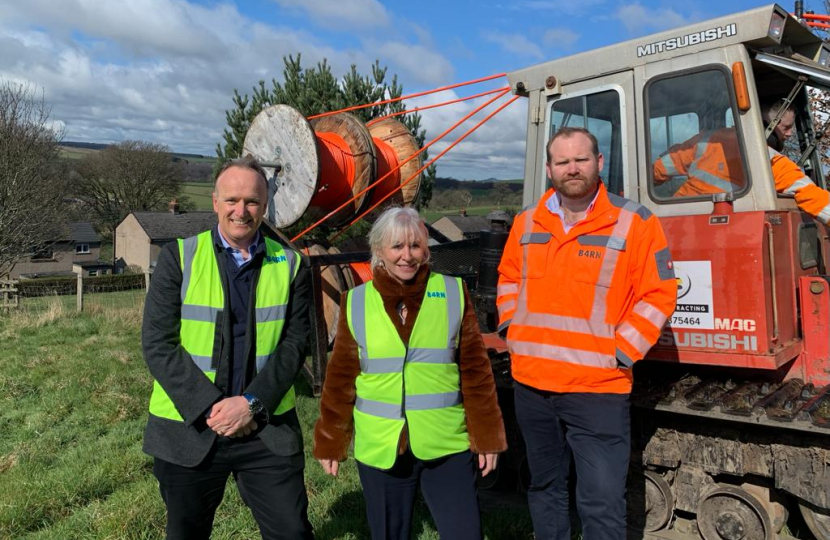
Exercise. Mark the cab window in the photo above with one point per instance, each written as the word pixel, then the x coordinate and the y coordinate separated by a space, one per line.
pixel 693 146
pixel 599 113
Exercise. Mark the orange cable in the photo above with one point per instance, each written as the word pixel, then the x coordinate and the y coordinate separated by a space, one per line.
pixel 816 17
pixel 817 24
pixel 416 109
pixel 404 162
pixel 419 171
pixel 441 89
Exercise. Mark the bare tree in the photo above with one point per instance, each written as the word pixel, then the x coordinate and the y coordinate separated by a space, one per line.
pixel 126 177
pixel 32 181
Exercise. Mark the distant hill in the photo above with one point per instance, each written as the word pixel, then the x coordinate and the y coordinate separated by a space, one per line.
pixel 77 150
pixel 474 185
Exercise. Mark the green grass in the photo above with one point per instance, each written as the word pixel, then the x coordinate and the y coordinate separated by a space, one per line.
pixel 199 193
pixel 73 398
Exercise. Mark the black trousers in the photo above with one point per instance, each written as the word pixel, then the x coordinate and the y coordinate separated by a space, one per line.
pixel 449 488
pixel 272 487
pixel 596 430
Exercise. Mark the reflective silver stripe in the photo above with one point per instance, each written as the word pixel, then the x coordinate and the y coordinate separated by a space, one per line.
pixel 711 179
pixel 506 306
pixel 202 362
pixel 798 184
pixel 359 320
pixel 609 262
pixel 260 361
pixel 507 288
pixel 562 354
pixel 188 254
pixel 423 402
pixel 271 313
pixel 634 337
pixel 535 238
pixel 379 408
pixel 577 325
pixel 504 325
pixel 650 313
pixel 824 215
pixel 289 257
pixel 668 163
pixel 612 242
pixel 526 248
pixel 191 312
pixel 382 365
pixel 624 359
pixel 453 310
pixel 431 356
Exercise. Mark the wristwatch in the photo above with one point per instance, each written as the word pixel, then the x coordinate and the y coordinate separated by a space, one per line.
pixel 254 405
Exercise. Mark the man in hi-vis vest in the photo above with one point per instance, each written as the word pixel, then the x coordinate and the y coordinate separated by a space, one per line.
pixel 710 162
pixel 224 336
pixel 586 284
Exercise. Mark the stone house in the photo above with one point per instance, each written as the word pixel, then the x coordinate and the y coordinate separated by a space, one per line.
pixel 461 226
pixel 141 235
pixel 77 250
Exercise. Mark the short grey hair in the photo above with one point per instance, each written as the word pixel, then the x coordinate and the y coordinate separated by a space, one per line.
pixel 248 162
pixel 394 225
pixel 770 110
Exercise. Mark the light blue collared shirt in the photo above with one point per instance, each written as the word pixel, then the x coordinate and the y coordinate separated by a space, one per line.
pixel 554 204
pixel 237 256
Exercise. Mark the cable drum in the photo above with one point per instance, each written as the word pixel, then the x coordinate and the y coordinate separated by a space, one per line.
pixel 328 167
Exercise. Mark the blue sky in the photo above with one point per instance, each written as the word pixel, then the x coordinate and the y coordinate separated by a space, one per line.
pixel 165 70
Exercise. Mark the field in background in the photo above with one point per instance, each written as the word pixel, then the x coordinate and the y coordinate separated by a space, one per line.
pixel 199 193
pixel 73 398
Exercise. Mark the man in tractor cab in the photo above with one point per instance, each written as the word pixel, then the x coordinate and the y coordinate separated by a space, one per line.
pixel 711 162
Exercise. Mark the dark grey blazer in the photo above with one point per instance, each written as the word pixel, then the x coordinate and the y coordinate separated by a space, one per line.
pixel 187 443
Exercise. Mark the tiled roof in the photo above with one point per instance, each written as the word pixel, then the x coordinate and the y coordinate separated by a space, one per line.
pixel 167 226
pixel 469 224
pixel 83 233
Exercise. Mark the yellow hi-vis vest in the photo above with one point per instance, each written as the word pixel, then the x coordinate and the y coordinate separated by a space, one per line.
pixel 419 385
pixel 203 301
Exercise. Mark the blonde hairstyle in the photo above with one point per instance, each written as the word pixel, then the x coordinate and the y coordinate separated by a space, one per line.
pixel 397 225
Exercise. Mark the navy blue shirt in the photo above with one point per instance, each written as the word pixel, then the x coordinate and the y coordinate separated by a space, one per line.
pixel 240 275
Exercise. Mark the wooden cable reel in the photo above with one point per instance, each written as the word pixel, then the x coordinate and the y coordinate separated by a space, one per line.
pixel 314 168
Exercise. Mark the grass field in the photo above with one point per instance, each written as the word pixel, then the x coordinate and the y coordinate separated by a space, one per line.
pixel 199 193
pixel 73 398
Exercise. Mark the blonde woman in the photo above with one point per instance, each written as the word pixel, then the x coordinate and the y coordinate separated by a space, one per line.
pixel 410 378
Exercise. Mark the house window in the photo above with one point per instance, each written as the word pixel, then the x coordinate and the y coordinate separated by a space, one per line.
pixel 103 271
pixel 93 273
pixel 81 248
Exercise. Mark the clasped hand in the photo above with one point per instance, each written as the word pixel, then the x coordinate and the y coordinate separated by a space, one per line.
pixel 231 417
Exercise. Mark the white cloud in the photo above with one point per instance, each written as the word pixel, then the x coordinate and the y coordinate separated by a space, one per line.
pixel 563 38
pixel 337 13
pixel 494 150
pixel 639 19
pixel 164 70
pixel 414 63
pixel 516 44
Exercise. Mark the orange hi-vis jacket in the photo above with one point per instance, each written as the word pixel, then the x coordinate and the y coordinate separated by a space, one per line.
pixel 791 180
pixel 580 308
pixel 711 161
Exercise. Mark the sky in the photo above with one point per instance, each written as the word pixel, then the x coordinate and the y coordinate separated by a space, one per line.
pixel 165 70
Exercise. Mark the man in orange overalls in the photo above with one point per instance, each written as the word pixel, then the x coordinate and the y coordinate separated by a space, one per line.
pixel 711 162
pixel 586 284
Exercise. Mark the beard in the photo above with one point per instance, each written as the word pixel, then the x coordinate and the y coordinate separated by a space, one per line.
pixel 576 187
